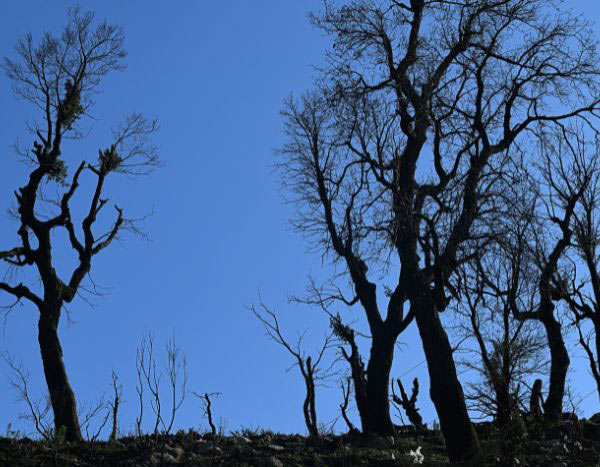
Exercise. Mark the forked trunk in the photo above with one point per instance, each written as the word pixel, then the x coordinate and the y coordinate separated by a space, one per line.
pixel 377 418
pixel 559 365
pixel 446 391
pixel 61 395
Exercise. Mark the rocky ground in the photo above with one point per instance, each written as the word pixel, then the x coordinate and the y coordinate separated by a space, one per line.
pixel 570 443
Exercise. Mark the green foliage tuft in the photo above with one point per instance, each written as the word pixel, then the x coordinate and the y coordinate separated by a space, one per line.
pixel 109 159
pixel 58 172
pixel 70 107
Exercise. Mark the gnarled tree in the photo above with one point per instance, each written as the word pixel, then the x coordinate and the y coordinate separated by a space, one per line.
pixel 397 153
pixel 60 76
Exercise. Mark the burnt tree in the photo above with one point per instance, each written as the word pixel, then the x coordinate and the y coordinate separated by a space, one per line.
pixel 509 350
pixel 60 77
pixel 346 388
pixel 536 399
pixel 566 173
pixel 309 368
pixel 394 152
pixel 409 404
pixel 526 270
pixel 583 298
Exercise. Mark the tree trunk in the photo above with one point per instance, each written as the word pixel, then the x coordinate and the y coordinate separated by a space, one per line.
pixel 309 408
pixel 61 394
pixel 377 418
pixel 559 365
pixel 446 391
pixel 535 401
pixel 504 403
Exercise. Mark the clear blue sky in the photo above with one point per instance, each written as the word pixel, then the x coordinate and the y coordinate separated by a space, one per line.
pixel 215 75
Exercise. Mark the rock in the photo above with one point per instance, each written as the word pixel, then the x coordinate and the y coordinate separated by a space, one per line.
pixel 276 447
pixel 417 456
pixel 176 452
pixel 204 446
pixel 242 440
pixel 164 459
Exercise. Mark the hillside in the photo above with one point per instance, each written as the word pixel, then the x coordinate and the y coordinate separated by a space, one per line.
pixel 571 443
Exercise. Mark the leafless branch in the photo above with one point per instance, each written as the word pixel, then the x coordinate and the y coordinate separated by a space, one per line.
pixel 38 411
pixel 308 367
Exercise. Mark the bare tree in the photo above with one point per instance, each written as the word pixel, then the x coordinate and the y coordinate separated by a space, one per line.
pixel 309 368
pixel 37 409
pixel 510 352
pixel 566 173
pixel 60 77
pixel 205 400
pixel 346 388
pixel 347 335
pixel 114 405
pixel 409 404
pixel 149 376
pixel 411 87
pixel 499 280
pixel 523 276
pixel 91 411
pixel 583 298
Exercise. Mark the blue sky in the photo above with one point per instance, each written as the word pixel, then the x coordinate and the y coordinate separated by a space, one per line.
pixel 215 75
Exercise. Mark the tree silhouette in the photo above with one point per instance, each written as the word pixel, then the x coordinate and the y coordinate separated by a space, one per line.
pixel 60 77
pixel 397 158
pixel 309 367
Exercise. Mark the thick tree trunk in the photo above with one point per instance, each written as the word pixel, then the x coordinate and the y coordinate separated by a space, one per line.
pixel 559 365
pixel 377 418
pixel 446 391
pixel 503 400
pixel 61 395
